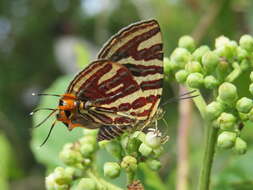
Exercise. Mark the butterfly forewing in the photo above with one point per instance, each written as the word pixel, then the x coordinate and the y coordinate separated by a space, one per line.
pixel 139 48
pixel 109 87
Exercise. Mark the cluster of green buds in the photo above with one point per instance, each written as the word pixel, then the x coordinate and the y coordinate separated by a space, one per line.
pixel 129 150
pixel 78 158
pixel 216 70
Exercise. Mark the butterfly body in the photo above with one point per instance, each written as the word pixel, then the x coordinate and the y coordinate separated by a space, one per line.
pixel 122 89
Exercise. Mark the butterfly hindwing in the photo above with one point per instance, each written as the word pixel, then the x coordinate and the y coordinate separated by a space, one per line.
pixel 139 48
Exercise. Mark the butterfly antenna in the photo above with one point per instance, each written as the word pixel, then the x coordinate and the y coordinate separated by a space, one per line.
pixel 46 118
pixel 49 133
pixel 38 109
pixel 187 93
pixel 43 94
pixel 181 97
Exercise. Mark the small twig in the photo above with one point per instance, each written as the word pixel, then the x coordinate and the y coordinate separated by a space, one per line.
pixel 185 112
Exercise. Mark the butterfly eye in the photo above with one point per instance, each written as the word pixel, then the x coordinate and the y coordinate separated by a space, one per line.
pixel 67 113
pixel 61 103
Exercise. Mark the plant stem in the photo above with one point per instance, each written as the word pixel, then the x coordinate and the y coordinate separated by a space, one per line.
pixel 210 142
pixel 130 177
pixel 199 102
pixel 235 73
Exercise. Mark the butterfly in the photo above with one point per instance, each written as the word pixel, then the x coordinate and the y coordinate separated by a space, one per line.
pixel 119 91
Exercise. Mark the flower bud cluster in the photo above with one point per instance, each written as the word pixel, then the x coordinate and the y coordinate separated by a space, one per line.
pixel 133 149
pixel 216 69
pixel 205 68
pixel 78 157
pixel 228 112
pixel 60 178
pixel 129 150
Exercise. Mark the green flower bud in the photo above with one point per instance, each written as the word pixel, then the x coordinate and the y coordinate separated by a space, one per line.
pixel 111 169
pixel 251 76
pixel 228 93
pixel 226 121
pixel 223 67
pixel 129 163
pixel 70 156
pixel 195 80
pixel 187 42
pixel 52 185
pixel 90 132
pixel 226 139
pixel 114 148
pixel 154 164
pixel 153 139
pixel 240 146
pixel 244 105
pixel 244 116
pixel 229 50
pixel 199 52
pixel 210 82
pixel 241 53
pixel 193 67
pixel 167 65
pixel 213 110
pixel 221 42
pixel 246 42
pixel 210 61
pixel 103 144
pixel 215 124
pixel 245 64
pixel 87 150
pixel 86 162
pixel 179 58
pixel 139 135
pixel 181 76
pixel 61 176
pixel 250 115
pixel 87 184
pixel 88 140
pixel 59 179
pixel 50 182
pixel 158 151
pixel 145 150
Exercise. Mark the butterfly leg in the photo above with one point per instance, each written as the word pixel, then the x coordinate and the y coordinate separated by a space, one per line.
pixel 109 132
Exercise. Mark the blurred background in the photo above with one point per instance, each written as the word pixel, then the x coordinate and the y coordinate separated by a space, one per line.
pixel 39 45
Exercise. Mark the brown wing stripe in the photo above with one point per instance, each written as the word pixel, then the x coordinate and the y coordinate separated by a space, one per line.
pixel 131 48
pixel 155 84
pixel 110 132
pixel 102 117
pixel 142 70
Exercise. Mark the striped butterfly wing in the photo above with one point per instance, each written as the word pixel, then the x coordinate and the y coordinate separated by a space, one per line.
pixel 139 48
pixel 106 85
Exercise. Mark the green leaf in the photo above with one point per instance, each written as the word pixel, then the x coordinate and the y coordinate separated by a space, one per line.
pixel 150 178
pixel 82 54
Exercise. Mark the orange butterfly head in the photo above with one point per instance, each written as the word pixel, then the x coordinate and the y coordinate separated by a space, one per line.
pixel 68 105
